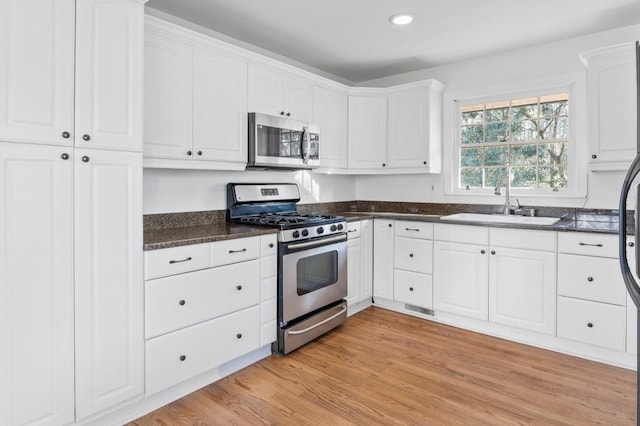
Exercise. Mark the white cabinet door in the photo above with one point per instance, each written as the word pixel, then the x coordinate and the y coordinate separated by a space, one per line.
pixel 37 71
pixel 460 279
pixel 522 289
pixel 167 97
pixel 383 249
pixel 354 271
pixel 109 290
pixel 330 113
pixel 408 129
pixel 36 284
pixel 298 98
pixel 109 60
pixel 367 132
pixel 366 259
pixel 219 107
pixel 266 91
pixel 611 81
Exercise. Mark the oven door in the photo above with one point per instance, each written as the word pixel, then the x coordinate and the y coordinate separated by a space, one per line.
pixel 313 274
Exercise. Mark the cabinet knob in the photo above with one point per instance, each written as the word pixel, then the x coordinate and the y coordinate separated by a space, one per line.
pixel 631 244
pixel 239 287
pixel 281 112
pixel 424 162
pixel 493 252
pixel 189 153
pixel 183 357
pixel 594 156
pixel 86 137
pixel 199 152
pixel 410 254
pixel 64 156
pixel 270 245
pixel 239 336
pixel 384 164
pixel 483 251
pixel 182 302
pixel 590 279
pixel 288 114
pixel 410 288
pixel 590 324
pixel 85 159
pixel 66 135
pixel 390 225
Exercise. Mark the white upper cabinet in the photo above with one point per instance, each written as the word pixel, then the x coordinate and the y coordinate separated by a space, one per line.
pixel 367 132
pixel 37 75
pixel 611 94
pixel 275 92
pixel 330 113
pixel 109 60
pixel 36 71
pixel 195 102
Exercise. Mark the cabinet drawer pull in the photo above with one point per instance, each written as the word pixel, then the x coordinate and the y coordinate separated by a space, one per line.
pixel 412 229
pixel 239 287
pixel 590 324
pixel 182 302
pixel 171 262
pixel 410 288
pixel 237 251
pixel 590 245
pixel 239 336
pixel 183 357
pixel 590 279
pixel 352 230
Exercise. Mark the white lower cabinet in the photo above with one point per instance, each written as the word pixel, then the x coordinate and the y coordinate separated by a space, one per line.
pixel 359 267
pixel 413 263
pixel 199 319
pixel 383 250
pixel 594 323
pixel 413 288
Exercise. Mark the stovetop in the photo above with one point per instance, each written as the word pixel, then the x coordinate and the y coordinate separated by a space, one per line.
pixel 289 220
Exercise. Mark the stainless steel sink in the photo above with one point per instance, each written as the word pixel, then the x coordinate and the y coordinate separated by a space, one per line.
pixel 501 218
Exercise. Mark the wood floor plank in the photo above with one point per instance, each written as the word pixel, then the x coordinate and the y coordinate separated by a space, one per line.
pixel 382 367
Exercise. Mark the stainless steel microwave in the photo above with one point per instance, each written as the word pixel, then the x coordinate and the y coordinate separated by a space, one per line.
pixel 279 142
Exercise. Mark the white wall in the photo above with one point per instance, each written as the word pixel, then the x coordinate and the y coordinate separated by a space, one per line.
pixel 535 62
pixel 171 191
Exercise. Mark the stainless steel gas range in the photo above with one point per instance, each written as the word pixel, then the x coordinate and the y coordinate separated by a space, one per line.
pixel 312 259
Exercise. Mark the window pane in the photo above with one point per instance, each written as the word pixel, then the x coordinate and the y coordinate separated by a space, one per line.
pixel 497 132
pixel 498 114
pixel 554 109
pixel 471 177
pixel 524 155
pixel 552 153
pixel 523 177
pixel 554 128
pixel 472 117
pixel 525 130
pixel 472 134
pixel 496 156
pixel 492 174
pixel 552 177
pixel 471 157
pixel 524 108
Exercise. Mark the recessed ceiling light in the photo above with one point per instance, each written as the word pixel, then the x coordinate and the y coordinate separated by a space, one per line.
pixel 401 18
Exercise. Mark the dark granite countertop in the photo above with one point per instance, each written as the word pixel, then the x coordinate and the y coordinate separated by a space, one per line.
pixel 185 235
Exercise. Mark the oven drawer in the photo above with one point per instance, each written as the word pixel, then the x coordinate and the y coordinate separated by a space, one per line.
pixel 413 288
pixel 592 278
pixel 183 354
pixel 413 255
pixel 410 229
pixel 592 322
pixel 175 260
pixel 178 301
pixel 233 251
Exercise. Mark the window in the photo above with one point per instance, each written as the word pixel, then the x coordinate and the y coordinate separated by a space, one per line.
pixel 527 137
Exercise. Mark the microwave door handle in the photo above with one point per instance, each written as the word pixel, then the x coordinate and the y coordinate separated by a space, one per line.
pixel 305 146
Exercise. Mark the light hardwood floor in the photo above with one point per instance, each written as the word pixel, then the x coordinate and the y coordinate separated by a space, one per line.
pixel 383 368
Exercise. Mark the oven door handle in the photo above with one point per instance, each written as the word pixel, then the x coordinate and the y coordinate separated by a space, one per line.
pixel 314 326
pixel 317 243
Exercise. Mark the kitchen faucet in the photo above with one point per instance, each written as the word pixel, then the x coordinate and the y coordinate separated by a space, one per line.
pixel 504 180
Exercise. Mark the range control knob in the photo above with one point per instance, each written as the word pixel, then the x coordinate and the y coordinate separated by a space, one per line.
pixel 333 228
pixel 295 234
pixel 305 232
pixel 340 227
pixel 320 230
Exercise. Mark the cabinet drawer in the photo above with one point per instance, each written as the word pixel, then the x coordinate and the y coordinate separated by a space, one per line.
pixel 268 245
pixel 413 288
pixel 588 244
pixel 182 300
pixel 410 229
pixel 353 230
pixel 592 322
pixel 178 356
pixel 463 234
pixel 233 251
pixel 592 278
pixel 523 239
pixel 413 255
pixel 175 260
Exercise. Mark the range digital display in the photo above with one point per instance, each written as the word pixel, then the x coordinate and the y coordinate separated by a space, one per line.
pixel 269 192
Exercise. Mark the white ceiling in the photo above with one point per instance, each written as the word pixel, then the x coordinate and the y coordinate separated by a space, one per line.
pixel 352 39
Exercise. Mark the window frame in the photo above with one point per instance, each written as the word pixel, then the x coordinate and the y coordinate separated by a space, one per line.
pixel 573 84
